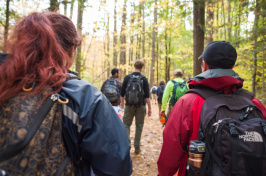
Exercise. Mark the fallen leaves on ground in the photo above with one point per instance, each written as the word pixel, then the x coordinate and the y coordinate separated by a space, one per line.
pixel 145 163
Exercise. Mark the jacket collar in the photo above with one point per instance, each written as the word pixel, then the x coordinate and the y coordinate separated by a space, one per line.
pixel 225 80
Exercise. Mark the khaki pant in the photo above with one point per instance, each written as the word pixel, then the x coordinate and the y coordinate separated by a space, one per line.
pixel 139 113
pixel 160 107
pixel 170 107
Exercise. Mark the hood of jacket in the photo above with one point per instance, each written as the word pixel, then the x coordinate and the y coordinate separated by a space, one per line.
pixel 226 80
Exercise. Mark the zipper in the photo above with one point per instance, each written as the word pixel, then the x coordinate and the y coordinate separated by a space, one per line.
pixel 245 116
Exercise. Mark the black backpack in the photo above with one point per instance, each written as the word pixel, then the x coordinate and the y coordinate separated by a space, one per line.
pixel 160 92
pixel 134 90
pixel 234 132
pixel 110 90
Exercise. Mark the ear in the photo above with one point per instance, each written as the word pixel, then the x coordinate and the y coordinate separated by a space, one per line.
pixel 205 66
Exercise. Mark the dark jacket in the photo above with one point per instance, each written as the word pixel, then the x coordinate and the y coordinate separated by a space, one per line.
pixel 159 90
pixel 94 135
pixel 183 123
pixel 145 86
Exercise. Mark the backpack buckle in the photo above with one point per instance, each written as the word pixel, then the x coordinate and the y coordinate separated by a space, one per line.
pixel 233 130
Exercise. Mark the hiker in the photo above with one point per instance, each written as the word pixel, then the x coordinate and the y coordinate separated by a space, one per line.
pixel 79 124
pixel 176 87
pixel 153 93
pixel 111 88
pixel 135 90
pixel 223 88
pixel 159 94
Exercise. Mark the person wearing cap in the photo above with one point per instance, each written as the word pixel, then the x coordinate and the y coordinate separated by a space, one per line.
pixel 218 60
pixel 167 94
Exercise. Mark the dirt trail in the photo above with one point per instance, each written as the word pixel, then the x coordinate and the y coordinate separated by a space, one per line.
pixel 151 142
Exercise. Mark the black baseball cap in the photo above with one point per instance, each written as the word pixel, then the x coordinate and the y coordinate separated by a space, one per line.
pixel 219 54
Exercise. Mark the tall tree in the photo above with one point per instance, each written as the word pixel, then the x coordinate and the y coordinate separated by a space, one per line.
pixel 131 48
pixel 79 27
pixel 255 49
pixel 54 6
pixel 143 29
pixel 209 21
pixel 6 24
pixel 154 36
pixel 229 21
pixel 115 38
pixel 65 7
pixel 198 34
pixel 71 9
pixel 123 40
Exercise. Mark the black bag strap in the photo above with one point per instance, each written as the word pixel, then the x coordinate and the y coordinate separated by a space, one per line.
pixel 204 92
pixel 14 149
pixel 234 151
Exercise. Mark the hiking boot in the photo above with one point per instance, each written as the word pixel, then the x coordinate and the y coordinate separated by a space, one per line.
pixel 137 150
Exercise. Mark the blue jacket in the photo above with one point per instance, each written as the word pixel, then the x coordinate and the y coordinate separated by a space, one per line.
pixel 94 135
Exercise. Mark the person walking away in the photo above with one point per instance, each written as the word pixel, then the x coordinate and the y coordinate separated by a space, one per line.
pixel 159 94
pixel 217 112
pixel 53 123
pixel 173 91
pixel 111 88
pixel 135 91
pixel 153 93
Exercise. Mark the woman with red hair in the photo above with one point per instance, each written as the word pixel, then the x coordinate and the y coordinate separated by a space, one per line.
pixel 82 126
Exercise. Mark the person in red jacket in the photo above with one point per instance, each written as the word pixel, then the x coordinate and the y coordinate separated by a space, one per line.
pixel 218 60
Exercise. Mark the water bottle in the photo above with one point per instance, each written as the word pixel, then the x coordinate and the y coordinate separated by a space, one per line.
pixel 196 153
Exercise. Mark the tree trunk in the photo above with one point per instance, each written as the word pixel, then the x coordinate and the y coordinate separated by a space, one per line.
pixel 123 41
pixel 54 6
pixel 115 39
pixel 157 59
pixel 65 7
pixel 71 9
pixel 209 22
pixel 79 28
pixel 6 25
pixel 224 25
pixel 154 36
pixel 198 34
pixel 229 21
pixel 143 29
pixel 166 58
pixel 132 34
pixel 255 52
pixel 108 45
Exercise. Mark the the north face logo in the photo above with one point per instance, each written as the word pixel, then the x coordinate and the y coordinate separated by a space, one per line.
pixel 251 136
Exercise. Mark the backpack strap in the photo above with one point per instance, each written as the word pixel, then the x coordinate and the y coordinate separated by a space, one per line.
pixel 14 149
pixel 203 91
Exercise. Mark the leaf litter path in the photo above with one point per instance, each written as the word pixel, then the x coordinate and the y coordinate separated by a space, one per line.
pixel 145 164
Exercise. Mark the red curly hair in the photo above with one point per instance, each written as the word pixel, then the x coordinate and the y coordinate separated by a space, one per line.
pixel 41 49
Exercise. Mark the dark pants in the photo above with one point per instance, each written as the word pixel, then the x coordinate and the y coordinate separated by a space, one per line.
pixel 139 113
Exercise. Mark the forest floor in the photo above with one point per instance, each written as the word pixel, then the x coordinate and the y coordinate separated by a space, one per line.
pixel 145 163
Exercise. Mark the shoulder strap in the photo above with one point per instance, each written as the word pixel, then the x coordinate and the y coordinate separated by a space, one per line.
pixel 204 92
pixel 173 81
pixel 16 148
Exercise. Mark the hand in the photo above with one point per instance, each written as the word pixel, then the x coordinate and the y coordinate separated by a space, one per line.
pixel 149 112
pixel 122 105
pixel 162 113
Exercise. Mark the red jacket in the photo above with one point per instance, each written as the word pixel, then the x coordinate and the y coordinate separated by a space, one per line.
pixel 183 124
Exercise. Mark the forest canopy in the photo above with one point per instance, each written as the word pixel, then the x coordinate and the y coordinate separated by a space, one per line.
pixel 166 34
